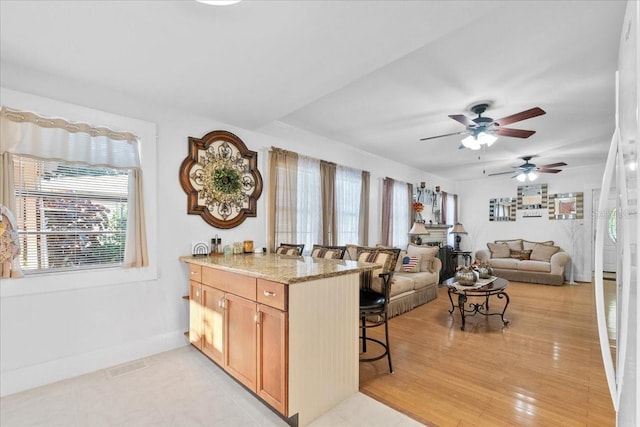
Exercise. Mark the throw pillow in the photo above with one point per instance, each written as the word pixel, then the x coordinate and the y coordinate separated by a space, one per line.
pixel 514 245
pixel 515 254
pixel 525 255
pixel 352 252
pixel 528 246
pixel 403 253
pixel 386 258
pixel 283 250
pixel 499 250
pixel 426 253
pixel 327 253
pixel 542 252
pixel 411 264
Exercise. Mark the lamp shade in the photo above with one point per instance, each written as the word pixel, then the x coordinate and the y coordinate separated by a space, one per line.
pixel 458 229
pixel 418 228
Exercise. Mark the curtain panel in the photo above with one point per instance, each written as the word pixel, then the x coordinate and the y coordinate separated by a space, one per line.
pixel 328 194
pixel 387 206
pixel 283 197
pixel 363 221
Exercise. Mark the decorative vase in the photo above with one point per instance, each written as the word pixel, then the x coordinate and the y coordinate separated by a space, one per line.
pixel 465 277
pixel 484 272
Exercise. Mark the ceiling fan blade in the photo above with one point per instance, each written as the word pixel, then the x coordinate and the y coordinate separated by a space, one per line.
pixel 523 115
pixel 440 136
pixel 499 173
pixel 516 133
pixel 553 165
pixel 462 119
pixel 543 170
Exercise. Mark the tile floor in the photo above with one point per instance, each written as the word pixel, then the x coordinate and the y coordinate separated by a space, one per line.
pixel 177 388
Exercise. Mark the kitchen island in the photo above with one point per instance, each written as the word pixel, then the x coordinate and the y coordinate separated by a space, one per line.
pixel 285 327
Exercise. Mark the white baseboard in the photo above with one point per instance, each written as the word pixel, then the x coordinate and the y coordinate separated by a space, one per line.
pixel 29 377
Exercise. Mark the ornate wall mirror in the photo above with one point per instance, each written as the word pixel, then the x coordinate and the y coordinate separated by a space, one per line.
pixel 566 206
pixel 533 196
pixel 502 209
pixel 221 179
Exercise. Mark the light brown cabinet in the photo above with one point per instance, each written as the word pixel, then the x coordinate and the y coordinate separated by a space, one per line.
pixel 241 323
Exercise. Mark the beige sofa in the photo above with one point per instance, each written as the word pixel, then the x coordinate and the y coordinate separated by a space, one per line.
pixel 409 289
pixel 525 261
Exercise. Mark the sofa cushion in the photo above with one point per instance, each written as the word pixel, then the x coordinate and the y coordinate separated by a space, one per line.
pixel 327 253
pixel 399 285
pixel 514 245
pixel 424 279
pixel 351 253
pixel 499 250
pixel 427 254
pixel 540 266
pixel 525 254
pixel 527 245
pixel 504 263
pixel 542 252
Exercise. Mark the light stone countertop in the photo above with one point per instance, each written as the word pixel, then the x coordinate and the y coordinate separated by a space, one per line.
pixel 280 268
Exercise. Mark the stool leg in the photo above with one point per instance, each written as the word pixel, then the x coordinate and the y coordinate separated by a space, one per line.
pixel 364 334
pixel 386 333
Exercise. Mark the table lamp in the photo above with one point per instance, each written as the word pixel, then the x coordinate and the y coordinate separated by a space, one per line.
pixel 458 229
pixel 417 229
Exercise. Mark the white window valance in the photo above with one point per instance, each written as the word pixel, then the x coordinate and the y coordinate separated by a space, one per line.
pixel 27 133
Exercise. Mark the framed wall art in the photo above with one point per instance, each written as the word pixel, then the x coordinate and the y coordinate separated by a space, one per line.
pixel 566 206
pixel 221 179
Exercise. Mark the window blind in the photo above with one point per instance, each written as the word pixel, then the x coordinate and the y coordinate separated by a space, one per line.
pixel 69 216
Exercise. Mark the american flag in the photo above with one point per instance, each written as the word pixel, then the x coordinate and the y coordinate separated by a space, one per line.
pixel 409 263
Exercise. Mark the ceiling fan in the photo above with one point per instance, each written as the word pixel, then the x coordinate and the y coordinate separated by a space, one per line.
pixel 530 171
pixel 483 130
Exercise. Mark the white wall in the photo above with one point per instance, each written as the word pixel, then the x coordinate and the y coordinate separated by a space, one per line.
pixel 474 215
pixel 87 325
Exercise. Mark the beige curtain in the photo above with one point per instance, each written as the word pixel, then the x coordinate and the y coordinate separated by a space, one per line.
pixel 136 253
pixel 8 267
pixel 387 205
pixel 455 209
pixel 363 231
pixel 328 191
pixel 283 177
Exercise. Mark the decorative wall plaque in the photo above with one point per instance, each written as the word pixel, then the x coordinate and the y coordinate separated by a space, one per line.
pixel 221 179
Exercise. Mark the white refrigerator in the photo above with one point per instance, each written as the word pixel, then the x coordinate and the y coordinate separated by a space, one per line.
pixel 621 176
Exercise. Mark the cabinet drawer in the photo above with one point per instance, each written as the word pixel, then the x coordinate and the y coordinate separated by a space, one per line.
pixel 234 283
pixel 273 294
pixel 195 273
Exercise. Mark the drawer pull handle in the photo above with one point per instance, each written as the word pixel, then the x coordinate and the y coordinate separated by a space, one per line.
pixel 194 272
pixel 269 294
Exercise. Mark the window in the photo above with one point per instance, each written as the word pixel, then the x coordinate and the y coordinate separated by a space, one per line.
pixel 315 202
pixel 348 191
pixel 75 191
pixel 69 216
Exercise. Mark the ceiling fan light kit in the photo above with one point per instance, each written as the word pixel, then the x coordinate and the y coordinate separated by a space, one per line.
pixel 484 130
pixel 530 171
pixel 474 142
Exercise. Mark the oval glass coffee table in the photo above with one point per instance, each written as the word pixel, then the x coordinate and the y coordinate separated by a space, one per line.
pixel 482 290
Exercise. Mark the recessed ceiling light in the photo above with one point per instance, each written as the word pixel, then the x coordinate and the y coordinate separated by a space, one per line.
pixel 219 2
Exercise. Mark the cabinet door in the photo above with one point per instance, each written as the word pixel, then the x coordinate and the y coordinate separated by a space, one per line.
pixel 240 339
pixel 195 314
pixel 212 323
pixel 272 357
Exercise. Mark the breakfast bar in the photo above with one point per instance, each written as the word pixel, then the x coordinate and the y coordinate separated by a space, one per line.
pixel 285 327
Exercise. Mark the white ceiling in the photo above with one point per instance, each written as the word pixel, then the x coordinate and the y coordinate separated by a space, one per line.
pixel 378 75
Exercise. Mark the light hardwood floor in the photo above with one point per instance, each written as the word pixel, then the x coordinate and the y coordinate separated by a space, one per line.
pixel 543 369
